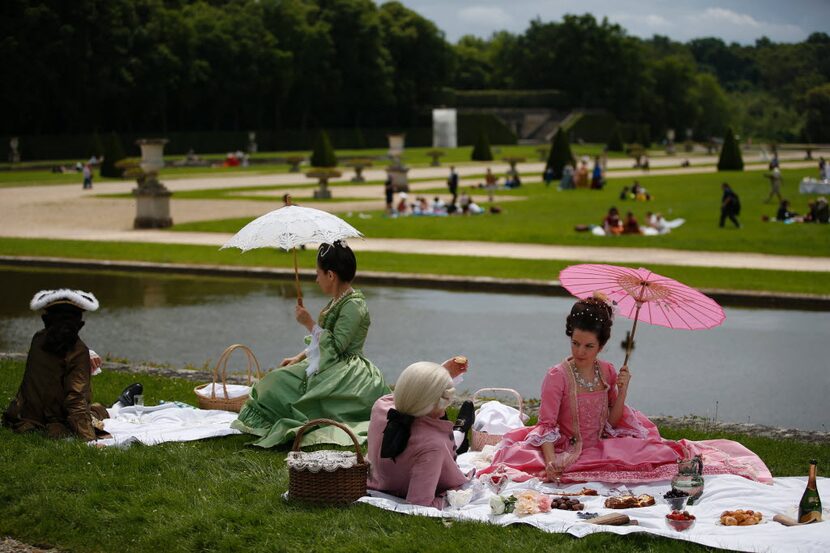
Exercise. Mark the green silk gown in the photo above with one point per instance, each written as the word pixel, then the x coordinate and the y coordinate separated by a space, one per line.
pixel 344 387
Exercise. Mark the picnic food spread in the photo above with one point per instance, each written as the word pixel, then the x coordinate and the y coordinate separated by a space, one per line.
pixel 583 491
pixel 741 517
pixel 629 501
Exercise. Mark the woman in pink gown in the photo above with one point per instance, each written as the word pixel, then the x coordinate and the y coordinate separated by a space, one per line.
pixel 586 432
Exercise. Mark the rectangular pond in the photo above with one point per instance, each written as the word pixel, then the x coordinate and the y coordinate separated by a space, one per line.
pixel 761 366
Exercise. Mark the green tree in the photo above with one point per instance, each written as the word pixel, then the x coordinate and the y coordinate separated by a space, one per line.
pixel 472 67
pixel 713 110
pixel 817 126
pixel 481 150
pixel 323 154
pixel 560 153
pixel 420 58
pixel 730 154
pixel 113 153
pixel 615 141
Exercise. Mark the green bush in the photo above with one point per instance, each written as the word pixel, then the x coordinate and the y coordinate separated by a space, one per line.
pixel 730 154
pixel 323 153
pixel 113 153
pixel 481 151
pixel 615 142
pixel 817 126
pixel 592 126
pixel 471 124
pixel 560 153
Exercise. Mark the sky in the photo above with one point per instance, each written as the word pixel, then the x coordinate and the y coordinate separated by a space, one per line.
pixel 740 21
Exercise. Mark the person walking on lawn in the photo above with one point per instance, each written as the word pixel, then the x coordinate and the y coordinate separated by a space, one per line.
pixel 730 206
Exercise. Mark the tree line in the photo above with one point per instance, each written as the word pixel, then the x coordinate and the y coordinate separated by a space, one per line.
pixel 173 65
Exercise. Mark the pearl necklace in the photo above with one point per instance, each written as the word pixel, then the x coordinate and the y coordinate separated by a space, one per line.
pixel 590 386
pixel 337 299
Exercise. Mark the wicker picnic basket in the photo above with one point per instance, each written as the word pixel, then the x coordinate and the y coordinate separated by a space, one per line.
pixel 326 476
pixel 220 371
pixel 481 439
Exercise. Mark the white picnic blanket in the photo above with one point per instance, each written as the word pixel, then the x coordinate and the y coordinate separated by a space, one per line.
pixel 721 493
pixel 814 186
pixel 168 422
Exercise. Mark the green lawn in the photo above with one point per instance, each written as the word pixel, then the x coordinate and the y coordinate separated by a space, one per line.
pixel 219 495
pixel 701 277
pixel 547 216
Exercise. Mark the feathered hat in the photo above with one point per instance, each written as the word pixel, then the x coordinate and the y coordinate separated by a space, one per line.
pixel 78 298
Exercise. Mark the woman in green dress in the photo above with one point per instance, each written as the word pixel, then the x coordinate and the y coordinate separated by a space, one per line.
pixel 330 378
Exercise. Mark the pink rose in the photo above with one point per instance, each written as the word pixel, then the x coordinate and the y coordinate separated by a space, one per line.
pixel 543 503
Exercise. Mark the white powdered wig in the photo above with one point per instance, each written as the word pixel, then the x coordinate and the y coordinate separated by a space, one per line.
pixel 78 298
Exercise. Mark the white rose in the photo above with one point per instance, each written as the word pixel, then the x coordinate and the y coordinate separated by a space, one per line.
pixel 497 505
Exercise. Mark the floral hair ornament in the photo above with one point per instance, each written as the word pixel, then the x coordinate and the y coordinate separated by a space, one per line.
pixel 601 296
pixel 80 299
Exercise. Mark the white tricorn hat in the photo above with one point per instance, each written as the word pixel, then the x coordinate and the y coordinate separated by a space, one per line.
pixel 78 298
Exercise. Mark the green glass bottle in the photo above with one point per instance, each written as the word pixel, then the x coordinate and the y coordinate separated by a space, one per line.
pixel 809 509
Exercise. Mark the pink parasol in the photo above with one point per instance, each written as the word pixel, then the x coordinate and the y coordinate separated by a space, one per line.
pixel 641 294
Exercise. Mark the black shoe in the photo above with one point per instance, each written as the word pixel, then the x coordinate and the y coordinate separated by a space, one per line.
pixel 466 417
pixel 127 397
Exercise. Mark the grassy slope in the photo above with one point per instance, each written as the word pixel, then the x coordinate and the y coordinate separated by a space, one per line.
pixel 701 277
pixel 218 495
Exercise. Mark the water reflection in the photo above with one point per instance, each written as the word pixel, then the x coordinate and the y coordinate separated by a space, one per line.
pixel 758 366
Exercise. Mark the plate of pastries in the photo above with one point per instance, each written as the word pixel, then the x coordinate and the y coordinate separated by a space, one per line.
pixel 741 517
pixel 629 501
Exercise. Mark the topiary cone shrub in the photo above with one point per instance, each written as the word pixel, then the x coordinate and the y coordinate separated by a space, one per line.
pixel 113 153
pixel 730 154
pixel 560 153
pixel 481 150
pixel 323 153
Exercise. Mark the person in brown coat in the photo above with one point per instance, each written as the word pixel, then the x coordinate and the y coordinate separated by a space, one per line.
pixel 56 393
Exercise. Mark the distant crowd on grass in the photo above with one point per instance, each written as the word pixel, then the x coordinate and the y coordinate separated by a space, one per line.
pixel 615 225
pixel 457 204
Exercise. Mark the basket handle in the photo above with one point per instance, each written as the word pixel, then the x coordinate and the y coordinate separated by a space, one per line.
pixel 506 390
pixel 343 427
pixel 223 363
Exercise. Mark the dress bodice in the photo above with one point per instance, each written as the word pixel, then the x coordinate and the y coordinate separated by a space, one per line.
pixel 593 412
pixel 348 318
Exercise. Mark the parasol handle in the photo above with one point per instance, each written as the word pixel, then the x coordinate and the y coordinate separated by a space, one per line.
pixel 297 279
pixel 633 330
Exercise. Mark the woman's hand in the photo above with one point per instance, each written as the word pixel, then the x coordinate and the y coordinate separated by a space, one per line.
pixel 291 360
pixel 623 378
pixel 553 471
pixel 303 317
pixel 456 366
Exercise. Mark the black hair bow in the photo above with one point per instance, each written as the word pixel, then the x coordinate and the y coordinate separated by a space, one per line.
pixel 396 434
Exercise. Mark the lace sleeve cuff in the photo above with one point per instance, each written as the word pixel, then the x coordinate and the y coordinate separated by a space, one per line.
pixel 543 434
pixel 312 352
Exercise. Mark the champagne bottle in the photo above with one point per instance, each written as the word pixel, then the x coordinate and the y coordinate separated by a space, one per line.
pixel 809 509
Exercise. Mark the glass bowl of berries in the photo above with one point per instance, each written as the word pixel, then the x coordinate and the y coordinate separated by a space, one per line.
pixel 680 520
pixel 676 499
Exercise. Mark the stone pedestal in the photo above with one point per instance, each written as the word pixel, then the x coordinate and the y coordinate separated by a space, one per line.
pixel 152 206
pixel 152 197
pixel 323 175
pixel 397 173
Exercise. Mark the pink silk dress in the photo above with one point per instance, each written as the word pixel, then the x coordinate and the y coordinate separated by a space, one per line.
pixel 589 449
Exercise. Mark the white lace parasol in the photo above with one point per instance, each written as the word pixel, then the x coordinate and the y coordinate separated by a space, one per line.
pixel 290 227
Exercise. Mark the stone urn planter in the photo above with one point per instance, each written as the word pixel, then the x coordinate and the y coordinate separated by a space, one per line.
pixel 513 161
pixel 294 163
pixel 358 165
pixel 323 175
pixel 435 154
pixel 152 197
